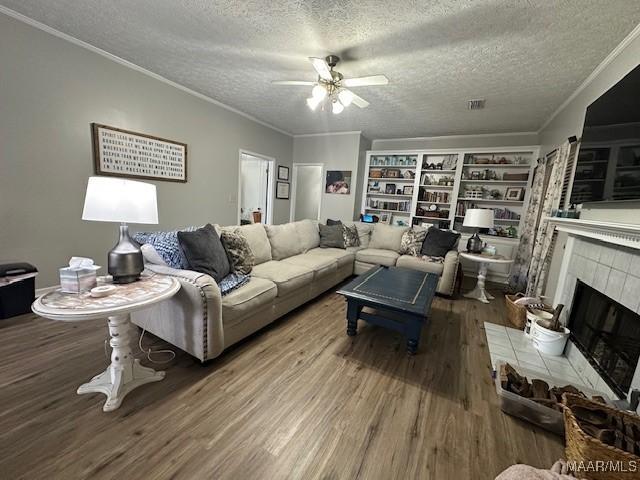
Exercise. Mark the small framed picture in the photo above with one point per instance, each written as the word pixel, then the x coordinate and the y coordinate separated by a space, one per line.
pixel 385 218
pixel 514 193
pixel 390 188
pixel 282 190
pixel 283 173
pixel 407 190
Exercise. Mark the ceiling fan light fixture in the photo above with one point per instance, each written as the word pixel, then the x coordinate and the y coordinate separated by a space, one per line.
pixel 319 92
pixel 337 108
pixel 313 102
pixel 346 97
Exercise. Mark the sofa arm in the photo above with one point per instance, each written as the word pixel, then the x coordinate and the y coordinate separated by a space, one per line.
pixel 447 283
pixel 192 319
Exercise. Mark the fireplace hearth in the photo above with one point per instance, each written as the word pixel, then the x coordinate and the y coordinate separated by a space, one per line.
pixel 608 335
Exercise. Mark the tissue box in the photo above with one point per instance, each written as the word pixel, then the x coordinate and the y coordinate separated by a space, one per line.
pixel 77 280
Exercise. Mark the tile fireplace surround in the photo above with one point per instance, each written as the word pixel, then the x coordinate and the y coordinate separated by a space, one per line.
pixel 605 256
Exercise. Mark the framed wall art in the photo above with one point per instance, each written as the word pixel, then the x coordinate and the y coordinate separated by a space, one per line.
pixel 338 181
pixel 282 190
pixel 123 153
pixel 514 193
pixel 283 173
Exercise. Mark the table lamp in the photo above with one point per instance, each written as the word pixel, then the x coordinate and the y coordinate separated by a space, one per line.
pixel 116 200
pixel 477 218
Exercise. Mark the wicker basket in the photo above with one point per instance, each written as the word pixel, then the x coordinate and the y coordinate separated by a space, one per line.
pixel 516 314
pixel 581 447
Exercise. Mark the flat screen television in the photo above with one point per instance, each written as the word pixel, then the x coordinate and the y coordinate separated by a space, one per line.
pixel 608 164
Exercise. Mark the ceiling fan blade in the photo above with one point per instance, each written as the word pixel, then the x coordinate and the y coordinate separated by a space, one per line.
pixel 321 66
pixel 358 101
pixel 292 82
pixel 365 81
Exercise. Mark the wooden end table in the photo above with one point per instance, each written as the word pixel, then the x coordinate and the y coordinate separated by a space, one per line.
pixel 125 372
pixel 479 292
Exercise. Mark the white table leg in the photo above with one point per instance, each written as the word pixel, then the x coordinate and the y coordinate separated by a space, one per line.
pixel 125 372
pixel 479 292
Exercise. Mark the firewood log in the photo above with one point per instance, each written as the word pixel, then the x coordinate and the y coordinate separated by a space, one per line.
pixel 539 388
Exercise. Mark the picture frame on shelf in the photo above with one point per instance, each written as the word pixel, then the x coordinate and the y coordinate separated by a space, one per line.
pixel 407 190
pixel 282 190
pixel 514 193
pixel 390 189
pixel 283 173
pixel 385 217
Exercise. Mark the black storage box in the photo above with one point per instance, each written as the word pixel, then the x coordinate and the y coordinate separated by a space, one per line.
pixel 17 288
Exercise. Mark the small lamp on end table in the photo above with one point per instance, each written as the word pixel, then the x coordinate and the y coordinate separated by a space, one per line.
pixel 117 200
pixel 477 218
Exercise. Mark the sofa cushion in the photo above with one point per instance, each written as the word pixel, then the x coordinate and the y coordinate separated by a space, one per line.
pixel 286 276
pixel 205 253
pixel 377 256
pixel 387 237
pixel 320 264
pixel 438 242
pixel 246 299
pixel 284 240
pixel 331 236
pixel 258 241
pixel 425 264
pixel 342 256
pixel 308 234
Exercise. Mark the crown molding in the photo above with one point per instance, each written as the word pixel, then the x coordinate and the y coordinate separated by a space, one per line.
pixel 440 137
pixel 133 66
pixel 604 64
pixel 327 134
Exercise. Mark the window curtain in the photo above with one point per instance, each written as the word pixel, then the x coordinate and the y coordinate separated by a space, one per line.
pixel 531 263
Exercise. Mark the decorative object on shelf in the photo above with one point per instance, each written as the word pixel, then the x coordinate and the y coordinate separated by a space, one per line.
pixel 338 181
pixel 401 223
pixel 407 190
pixel 392 173
pixel 518 177
pixel 282 190
pixel 376 173
pixel 375 188
pixel 385 218
pixel 514 193
pixel 477 218
pixel 124 201
pixel 409 174
pixel 390 188
pixel 123 153
pixel 450 162
pixel 399 192
pixel 283 173
pixel 474 193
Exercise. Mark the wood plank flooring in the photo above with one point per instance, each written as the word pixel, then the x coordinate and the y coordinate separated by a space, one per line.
pixel 299 399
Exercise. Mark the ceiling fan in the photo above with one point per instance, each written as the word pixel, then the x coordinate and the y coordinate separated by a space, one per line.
pixel 331 86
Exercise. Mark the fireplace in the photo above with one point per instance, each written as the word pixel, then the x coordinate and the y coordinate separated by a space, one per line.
pixel 608 335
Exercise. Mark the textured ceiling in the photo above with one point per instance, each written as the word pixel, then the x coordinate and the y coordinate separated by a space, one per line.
pixel 524 57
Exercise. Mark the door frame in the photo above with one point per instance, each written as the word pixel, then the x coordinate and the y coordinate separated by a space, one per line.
pixel 294 180
pixel 270 186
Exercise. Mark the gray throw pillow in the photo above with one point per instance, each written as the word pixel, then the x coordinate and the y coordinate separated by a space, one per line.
pixel 240 256
pixel 331 236
pixel 438 242
pixel 204 252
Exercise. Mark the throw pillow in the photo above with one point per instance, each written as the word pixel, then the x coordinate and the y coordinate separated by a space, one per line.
pixel 240 256
pixel 438 242
pixel 412 240
pixel 333 222
pixel 351 237
pixel 167 246
pixel 204 252
pixel 232 282
pixel 331 236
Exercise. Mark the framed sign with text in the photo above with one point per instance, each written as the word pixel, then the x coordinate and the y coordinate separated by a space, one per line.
pixel 123 153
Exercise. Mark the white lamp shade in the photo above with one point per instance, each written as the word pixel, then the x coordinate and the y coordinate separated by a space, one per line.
pixel 116 200
pixel 478 218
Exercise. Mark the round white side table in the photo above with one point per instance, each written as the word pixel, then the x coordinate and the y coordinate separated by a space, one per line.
pixel 479 292
pixel 125 372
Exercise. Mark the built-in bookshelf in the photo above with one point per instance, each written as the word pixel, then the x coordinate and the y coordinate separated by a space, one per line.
pixel 429 187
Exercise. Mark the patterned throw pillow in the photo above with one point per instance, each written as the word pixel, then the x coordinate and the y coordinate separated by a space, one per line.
pixel 239 253
pixel 167 246
pixel 411 243
pixel 232 282
pixel 351 237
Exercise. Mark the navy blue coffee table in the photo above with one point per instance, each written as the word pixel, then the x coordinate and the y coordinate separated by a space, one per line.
pixel 392 292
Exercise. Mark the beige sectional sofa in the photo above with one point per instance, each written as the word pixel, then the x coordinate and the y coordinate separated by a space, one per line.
pixel 290 270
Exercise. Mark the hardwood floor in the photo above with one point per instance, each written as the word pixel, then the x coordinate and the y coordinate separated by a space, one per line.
pixel 299 399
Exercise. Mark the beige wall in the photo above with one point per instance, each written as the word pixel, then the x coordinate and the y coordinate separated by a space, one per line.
pixel 457 141
pixel 335 152
pixel 50 92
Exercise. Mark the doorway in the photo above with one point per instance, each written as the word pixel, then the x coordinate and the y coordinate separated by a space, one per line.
pixel 307 191
pixel 255 188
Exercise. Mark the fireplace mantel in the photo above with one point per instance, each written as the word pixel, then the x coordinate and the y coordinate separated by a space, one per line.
pixel 623 234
